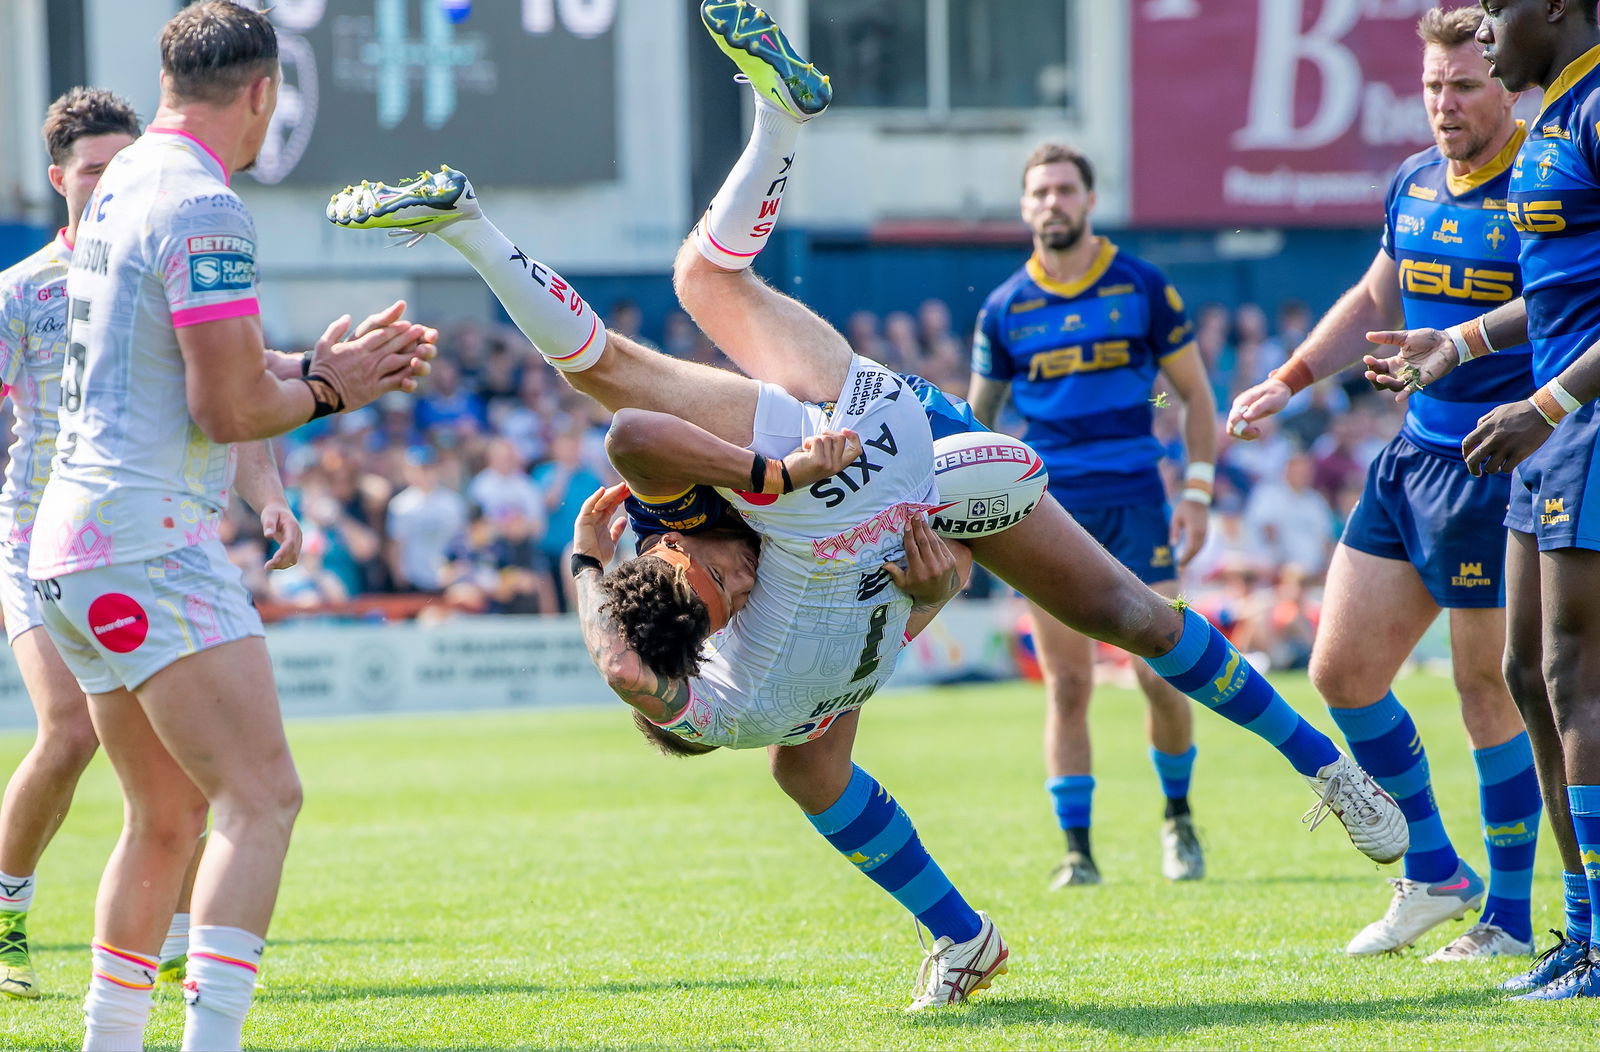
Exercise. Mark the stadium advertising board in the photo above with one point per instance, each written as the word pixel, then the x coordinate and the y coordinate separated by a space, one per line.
pixel 1272 112
pixel 519 92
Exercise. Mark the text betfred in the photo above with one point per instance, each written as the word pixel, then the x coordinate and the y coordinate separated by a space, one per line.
pixel 221 243
pixel 1015 454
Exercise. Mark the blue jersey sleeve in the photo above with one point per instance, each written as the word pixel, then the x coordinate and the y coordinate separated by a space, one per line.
pixel 695 510
pixel 1386 240
pixel 990 356
pixel 1170 328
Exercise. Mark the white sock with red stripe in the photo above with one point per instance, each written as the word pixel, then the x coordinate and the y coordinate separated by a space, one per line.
pixel 223 963
pixel 16 893
pixel 118 1004
pixel 560 323
pixel 735 228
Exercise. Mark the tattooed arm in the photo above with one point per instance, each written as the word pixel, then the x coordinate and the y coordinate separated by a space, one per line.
pixel 595 535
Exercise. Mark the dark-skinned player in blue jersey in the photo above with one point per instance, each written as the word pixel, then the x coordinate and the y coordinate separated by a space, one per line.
pixel 1550 442
pixel 1427 534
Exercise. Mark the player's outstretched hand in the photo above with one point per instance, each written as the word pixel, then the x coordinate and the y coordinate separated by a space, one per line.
pixel 599 527
pixel 932 573
pixel 1425 356
pixel 821 455
pixel 1505 436
pixel 391 354
pixel 1257 403
pixel 279 524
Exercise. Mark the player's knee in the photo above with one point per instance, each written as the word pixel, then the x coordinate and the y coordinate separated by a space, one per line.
pixel 67 745
pixel 1343 684
pixel 1525 680
pixel 267 804
pixel 1068 690
pixel 168 826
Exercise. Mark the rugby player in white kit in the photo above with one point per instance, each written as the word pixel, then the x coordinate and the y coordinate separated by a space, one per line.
pixel 820 622
pixel 83 130
pixel 164 370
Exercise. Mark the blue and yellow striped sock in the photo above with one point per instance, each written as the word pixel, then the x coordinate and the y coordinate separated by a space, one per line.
pixel 1585 801
pixel 1174 770
pixel 1385 742
pixel 1577 906
pixel 1073 796
pixel 867 827
pixel 1508 798
pixel 1206 667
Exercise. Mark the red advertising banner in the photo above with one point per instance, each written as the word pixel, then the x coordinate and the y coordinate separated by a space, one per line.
pixel 1273 112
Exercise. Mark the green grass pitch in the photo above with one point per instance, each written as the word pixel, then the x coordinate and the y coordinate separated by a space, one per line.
pixel 542 880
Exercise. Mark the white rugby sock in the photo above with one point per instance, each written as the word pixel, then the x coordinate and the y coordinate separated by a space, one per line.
pixel 118 1004
pixel 16 893
pixel 735 228
pixel 548 310
pixel 176 943
pixel 223 964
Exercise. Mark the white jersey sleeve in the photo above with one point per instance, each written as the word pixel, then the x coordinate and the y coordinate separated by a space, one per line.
pixel 33 343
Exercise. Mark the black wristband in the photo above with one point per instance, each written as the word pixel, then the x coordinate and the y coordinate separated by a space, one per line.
pixel 580 562
pixel 305 364
pixel 325 398
pixel 758 473
pixel 788 483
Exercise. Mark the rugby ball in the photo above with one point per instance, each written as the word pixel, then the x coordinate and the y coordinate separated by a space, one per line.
pixel 988 482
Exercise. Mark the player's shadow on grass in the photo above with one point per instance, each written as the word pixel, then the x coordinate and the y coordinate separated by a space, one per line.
pixel 1177 1019
pixel 345 992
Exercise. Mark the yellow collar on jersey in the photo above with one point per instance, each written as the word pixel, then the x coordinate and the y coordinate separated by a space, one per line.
pixel 1462 184
pixel 1069 289
pixel 1576 70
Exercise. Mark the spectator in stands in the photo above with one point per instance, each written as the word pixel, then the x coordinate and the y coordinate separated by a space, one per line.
pixel 566 482
pixel 448 405
pixel 503 487
pixel 1254 353
pixel 1294 521
pixel 862 332
pixel 902 351
pixel 1339 460
pixel 425 519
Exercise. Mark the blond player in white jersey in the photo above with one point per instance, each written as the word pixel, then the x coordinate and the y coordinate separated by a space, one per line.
pixel 164 370
pixel 83 130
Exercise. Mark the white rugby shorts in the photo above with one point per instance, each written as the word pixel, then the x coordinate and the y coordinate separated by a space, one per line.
pixel 116 626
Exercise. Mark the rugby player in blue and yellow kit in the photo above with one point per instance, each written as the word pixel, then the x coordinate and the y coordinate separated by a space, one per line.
pixel 1427 534
pixel 1078 337
pixel 1550 442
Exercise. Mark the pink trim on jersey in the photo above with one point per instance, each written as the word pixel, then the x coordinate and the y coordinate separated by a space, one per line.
pixel 215 312
pixel 226 175
pixel 61 236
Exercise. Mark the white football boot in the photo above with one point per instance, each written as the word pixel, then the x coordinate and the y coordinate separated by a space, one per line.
pixel 1370 815
pixel 1417 907
pixel 1481 941
pixel 954 971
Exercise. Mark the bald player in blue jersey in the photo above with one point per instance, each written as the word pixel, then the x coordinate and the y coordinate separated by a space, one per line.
pixel 1550 442
pixel 1078 337
pixel 1428 535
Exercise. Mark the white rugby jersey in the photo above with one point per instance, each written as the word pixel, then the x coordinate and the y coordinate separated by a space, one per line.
pixel 824 623
pixel 33 340
pixel 164 243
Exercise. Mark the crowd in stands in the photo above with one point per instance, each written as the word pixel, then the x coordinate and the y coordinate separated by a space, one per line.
pixel 462 497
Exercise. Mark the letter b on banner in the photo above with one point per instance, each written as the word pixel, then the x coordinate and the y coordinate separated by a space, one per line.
pixel 1281 46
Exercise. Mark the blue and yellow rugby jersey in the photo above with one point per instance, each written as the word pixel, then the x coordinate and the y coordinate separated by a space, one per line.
pixel 1456 250
pixel 695 510
pixel 1082 359
pixel 1555 204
